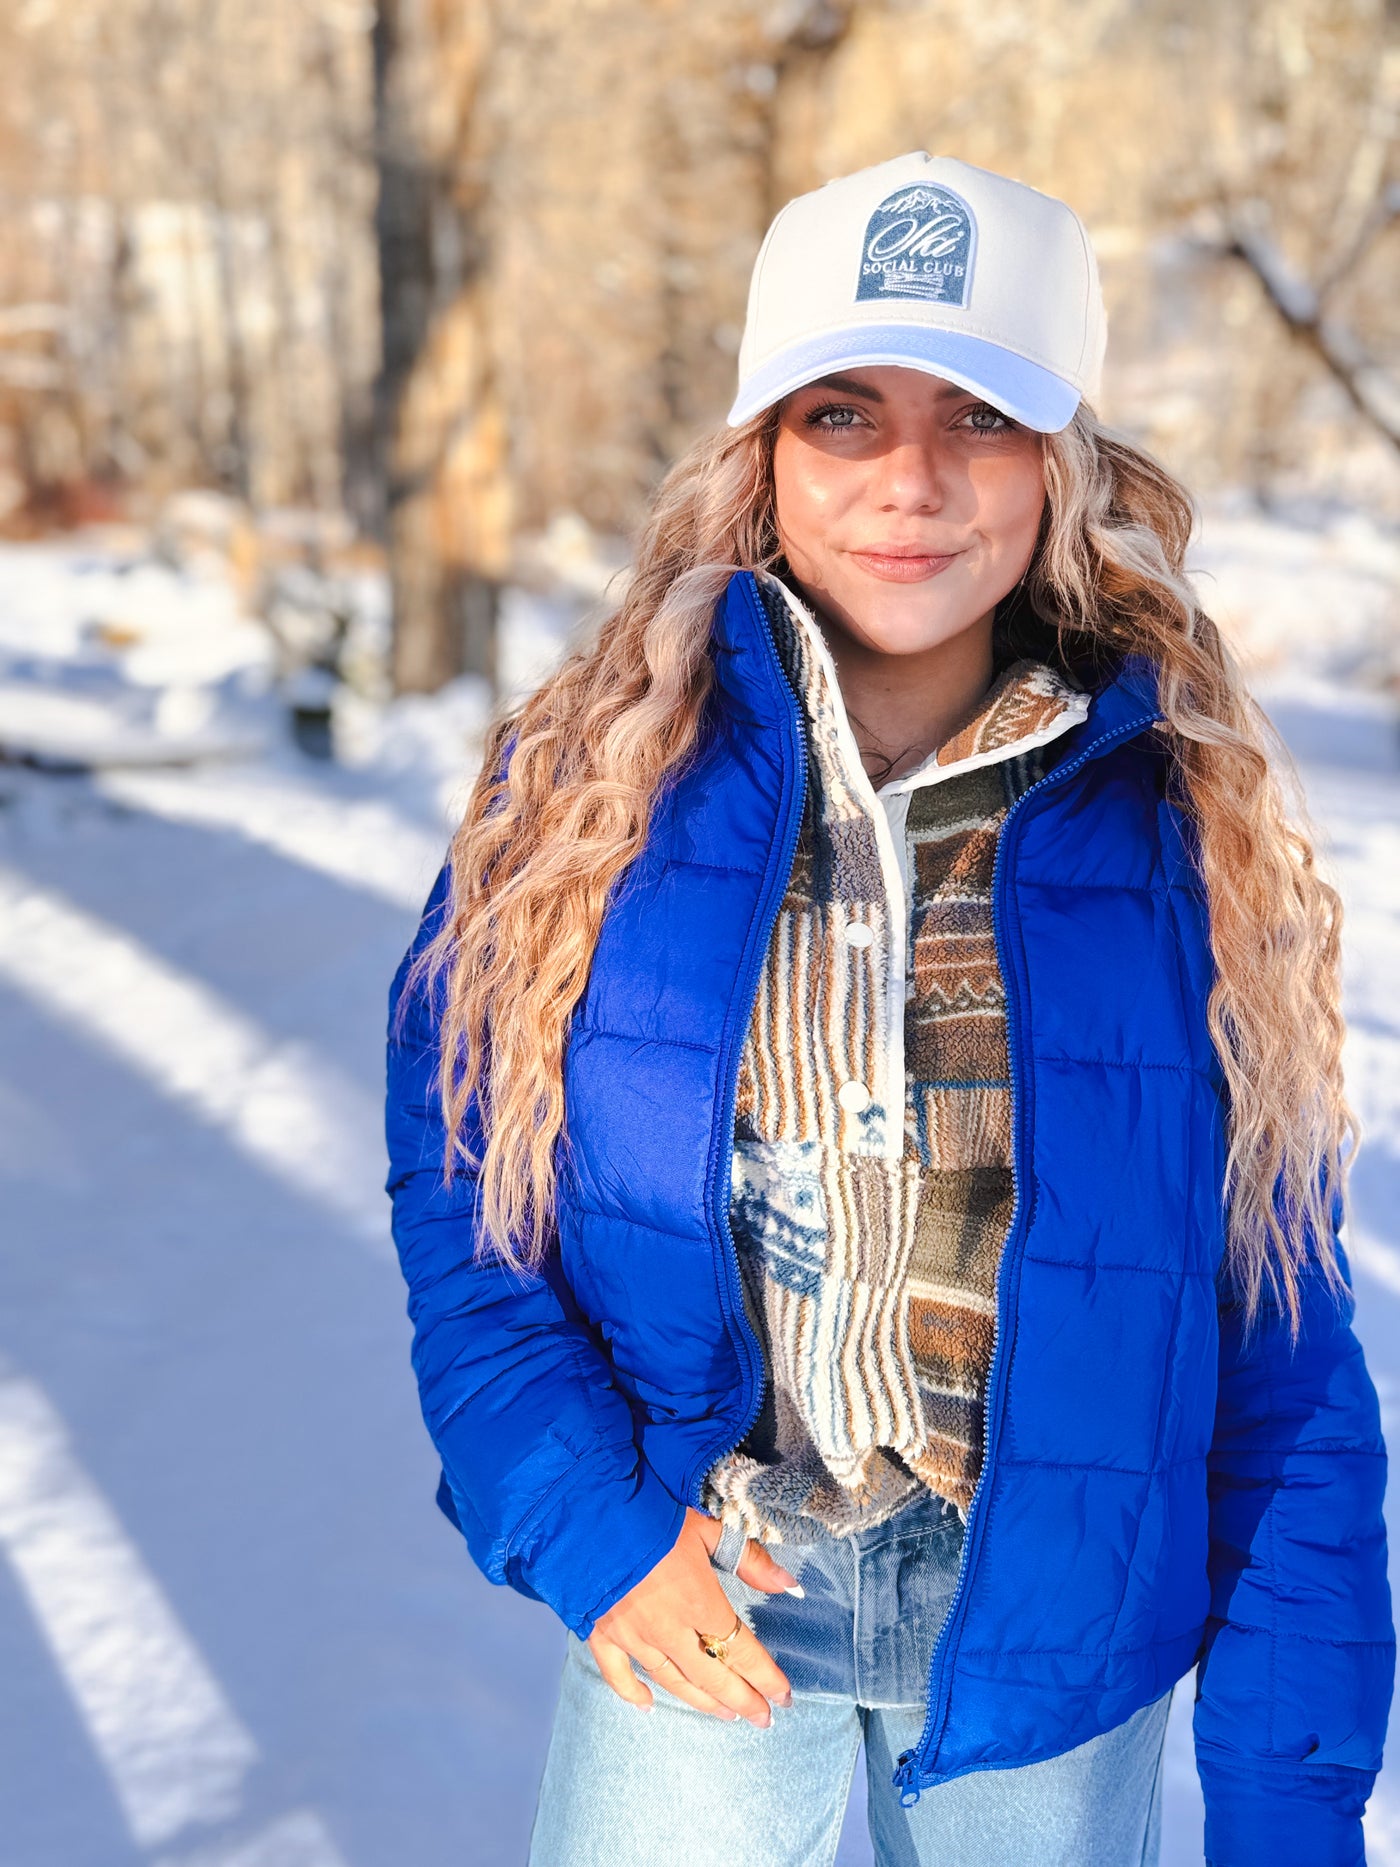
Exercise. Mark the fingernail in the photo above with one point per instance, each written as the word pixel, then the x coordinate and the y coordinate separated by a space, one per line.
pixel 798 1590
pixel 649 1706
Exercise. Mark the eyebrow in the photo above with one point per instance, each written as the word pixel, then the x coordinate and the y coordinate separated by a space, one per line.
pixel 847 385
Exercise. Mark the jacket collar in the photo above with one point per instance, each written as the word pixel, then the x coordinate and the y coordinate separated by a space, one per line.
pixel 747 670
pixel 750 675
pixel 1131 694
pixel 1026 706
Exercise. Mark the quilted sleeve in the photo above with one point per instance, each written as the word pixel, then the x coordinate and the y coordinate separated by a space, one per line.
pixel 1295 1682
pixel 540 1467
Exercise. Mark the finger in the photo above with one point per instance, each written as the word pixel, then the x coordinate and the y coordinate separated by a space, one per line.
pixel 725 1679
pixel 755 1565
pixel 616 1669
pixel 663 1670
pixel 707 1683
pixel 614 1663
pixel 707 1528
pixel 752 1660
pixel 760 1570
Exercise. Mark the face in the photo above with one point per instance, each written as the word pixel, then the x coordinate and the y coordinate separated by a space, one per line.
pixel 907 507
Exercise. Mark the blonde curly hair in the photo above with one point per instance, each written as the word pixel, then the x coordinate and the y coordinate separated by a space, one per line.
pixel 543 840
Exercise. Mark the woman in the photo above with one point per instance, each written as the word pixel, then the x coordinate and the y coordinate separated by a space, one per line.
pixel 866 1087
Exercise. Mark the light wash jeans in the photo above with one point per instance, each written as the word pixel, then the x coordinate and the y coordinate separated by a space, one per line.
pixel 626 1788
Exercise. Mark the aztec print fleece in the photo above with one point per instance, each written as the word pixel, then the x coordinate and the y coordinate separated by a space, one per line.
pixel 872 1185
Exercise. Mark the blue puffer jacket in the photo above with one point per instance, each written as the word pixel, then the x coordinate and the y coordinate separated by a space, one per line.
pixel 1156 1490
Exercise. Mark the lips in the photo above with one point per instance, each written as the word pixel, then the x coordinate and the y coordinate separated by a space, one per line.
pixel 901 565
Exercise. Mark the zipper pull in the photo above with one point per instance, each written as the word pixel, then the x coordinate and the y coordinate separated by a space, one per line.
pixel 906 1779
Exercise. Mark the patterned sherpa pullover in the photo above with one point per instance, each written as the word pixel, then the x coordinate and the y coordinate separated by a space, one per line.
pixel 869 1244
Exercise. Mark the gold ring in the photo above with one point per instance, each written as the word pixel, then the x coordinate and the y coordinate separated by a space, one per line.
pixel 668 1661
pixel 719 1649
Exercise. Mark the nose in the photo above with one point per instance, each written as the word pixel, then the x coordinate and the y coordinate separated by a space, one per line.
pixel 909 478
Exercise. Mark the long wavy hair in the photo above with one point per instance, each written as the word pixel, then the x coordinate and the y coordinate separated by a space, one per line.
pixel 549 828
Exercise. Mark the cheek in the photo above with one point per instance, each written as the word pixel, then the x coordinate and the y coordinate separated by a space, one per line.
pixel 809 489
pixel 1010 500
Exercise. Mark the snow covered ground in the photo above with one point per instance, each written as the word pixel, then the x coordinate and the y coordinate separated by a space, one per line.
pixel 234 1630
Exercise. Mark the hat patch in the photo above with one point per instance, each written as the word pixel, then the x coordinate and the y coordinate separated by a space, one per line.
pixel 919 243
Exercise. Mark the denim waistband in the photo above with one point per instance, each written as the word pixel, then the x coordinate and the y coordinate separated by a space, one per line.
pixel 873 1606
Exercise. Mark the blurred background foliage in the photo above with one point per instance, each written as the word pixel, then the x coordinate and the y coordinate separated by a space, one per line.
pixel 443 285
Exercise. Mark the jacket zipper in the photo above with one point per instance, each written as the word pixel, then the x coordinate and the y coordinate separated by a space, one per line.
pixel 735 1032
pixel 908 1764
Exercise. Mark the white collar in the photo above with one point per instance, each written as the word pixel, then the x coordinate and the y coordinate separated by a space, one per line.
pixel 1044 682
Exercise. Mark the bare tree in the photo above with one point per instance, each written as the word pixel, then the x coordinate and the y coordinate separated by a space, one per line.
pixel 441 436
pixel 1304 307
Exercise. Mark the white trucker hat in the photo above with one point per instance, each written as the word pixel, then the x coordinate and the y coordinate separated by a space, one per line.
pixel 928 262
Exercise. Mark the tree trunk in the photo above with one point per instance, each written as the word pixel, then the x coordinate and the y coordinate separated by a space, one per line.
pixel 446 520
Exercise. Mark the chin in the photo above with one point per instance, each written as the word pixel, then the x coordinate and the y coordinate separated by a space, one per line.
pixel 913 642
pixel 896 630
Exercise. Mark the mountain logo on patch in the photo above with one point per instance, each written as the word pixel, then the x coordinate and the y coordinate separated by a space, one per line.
pixel 919 243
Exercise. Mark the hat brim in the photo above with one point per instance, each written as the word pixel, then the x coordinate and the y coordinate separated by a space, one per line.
pixel 1025 391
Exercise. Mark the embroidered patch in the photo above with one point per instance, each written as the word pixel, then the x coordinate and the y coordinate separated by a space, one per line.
pixel 919 243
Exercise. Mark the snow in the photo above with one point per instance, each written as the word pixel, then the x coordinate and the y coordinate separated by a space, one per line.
pixel 113 654
pixel 234 1629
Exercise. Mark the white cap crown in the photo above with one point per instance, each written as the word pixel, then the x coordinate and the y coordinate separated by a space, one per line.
pixel 931 263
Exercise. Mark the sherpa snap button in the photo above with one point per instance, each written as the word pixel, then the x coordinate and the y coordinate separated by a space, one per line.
pixel 853 1097
pixel 858 934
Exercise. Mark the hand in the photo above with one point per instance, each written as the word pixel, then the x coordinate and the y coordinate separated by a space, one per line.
pixel 660 1617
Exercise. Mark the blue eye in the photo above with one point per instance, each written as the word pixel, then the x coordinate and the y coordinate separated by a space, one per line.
pixel 816 417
